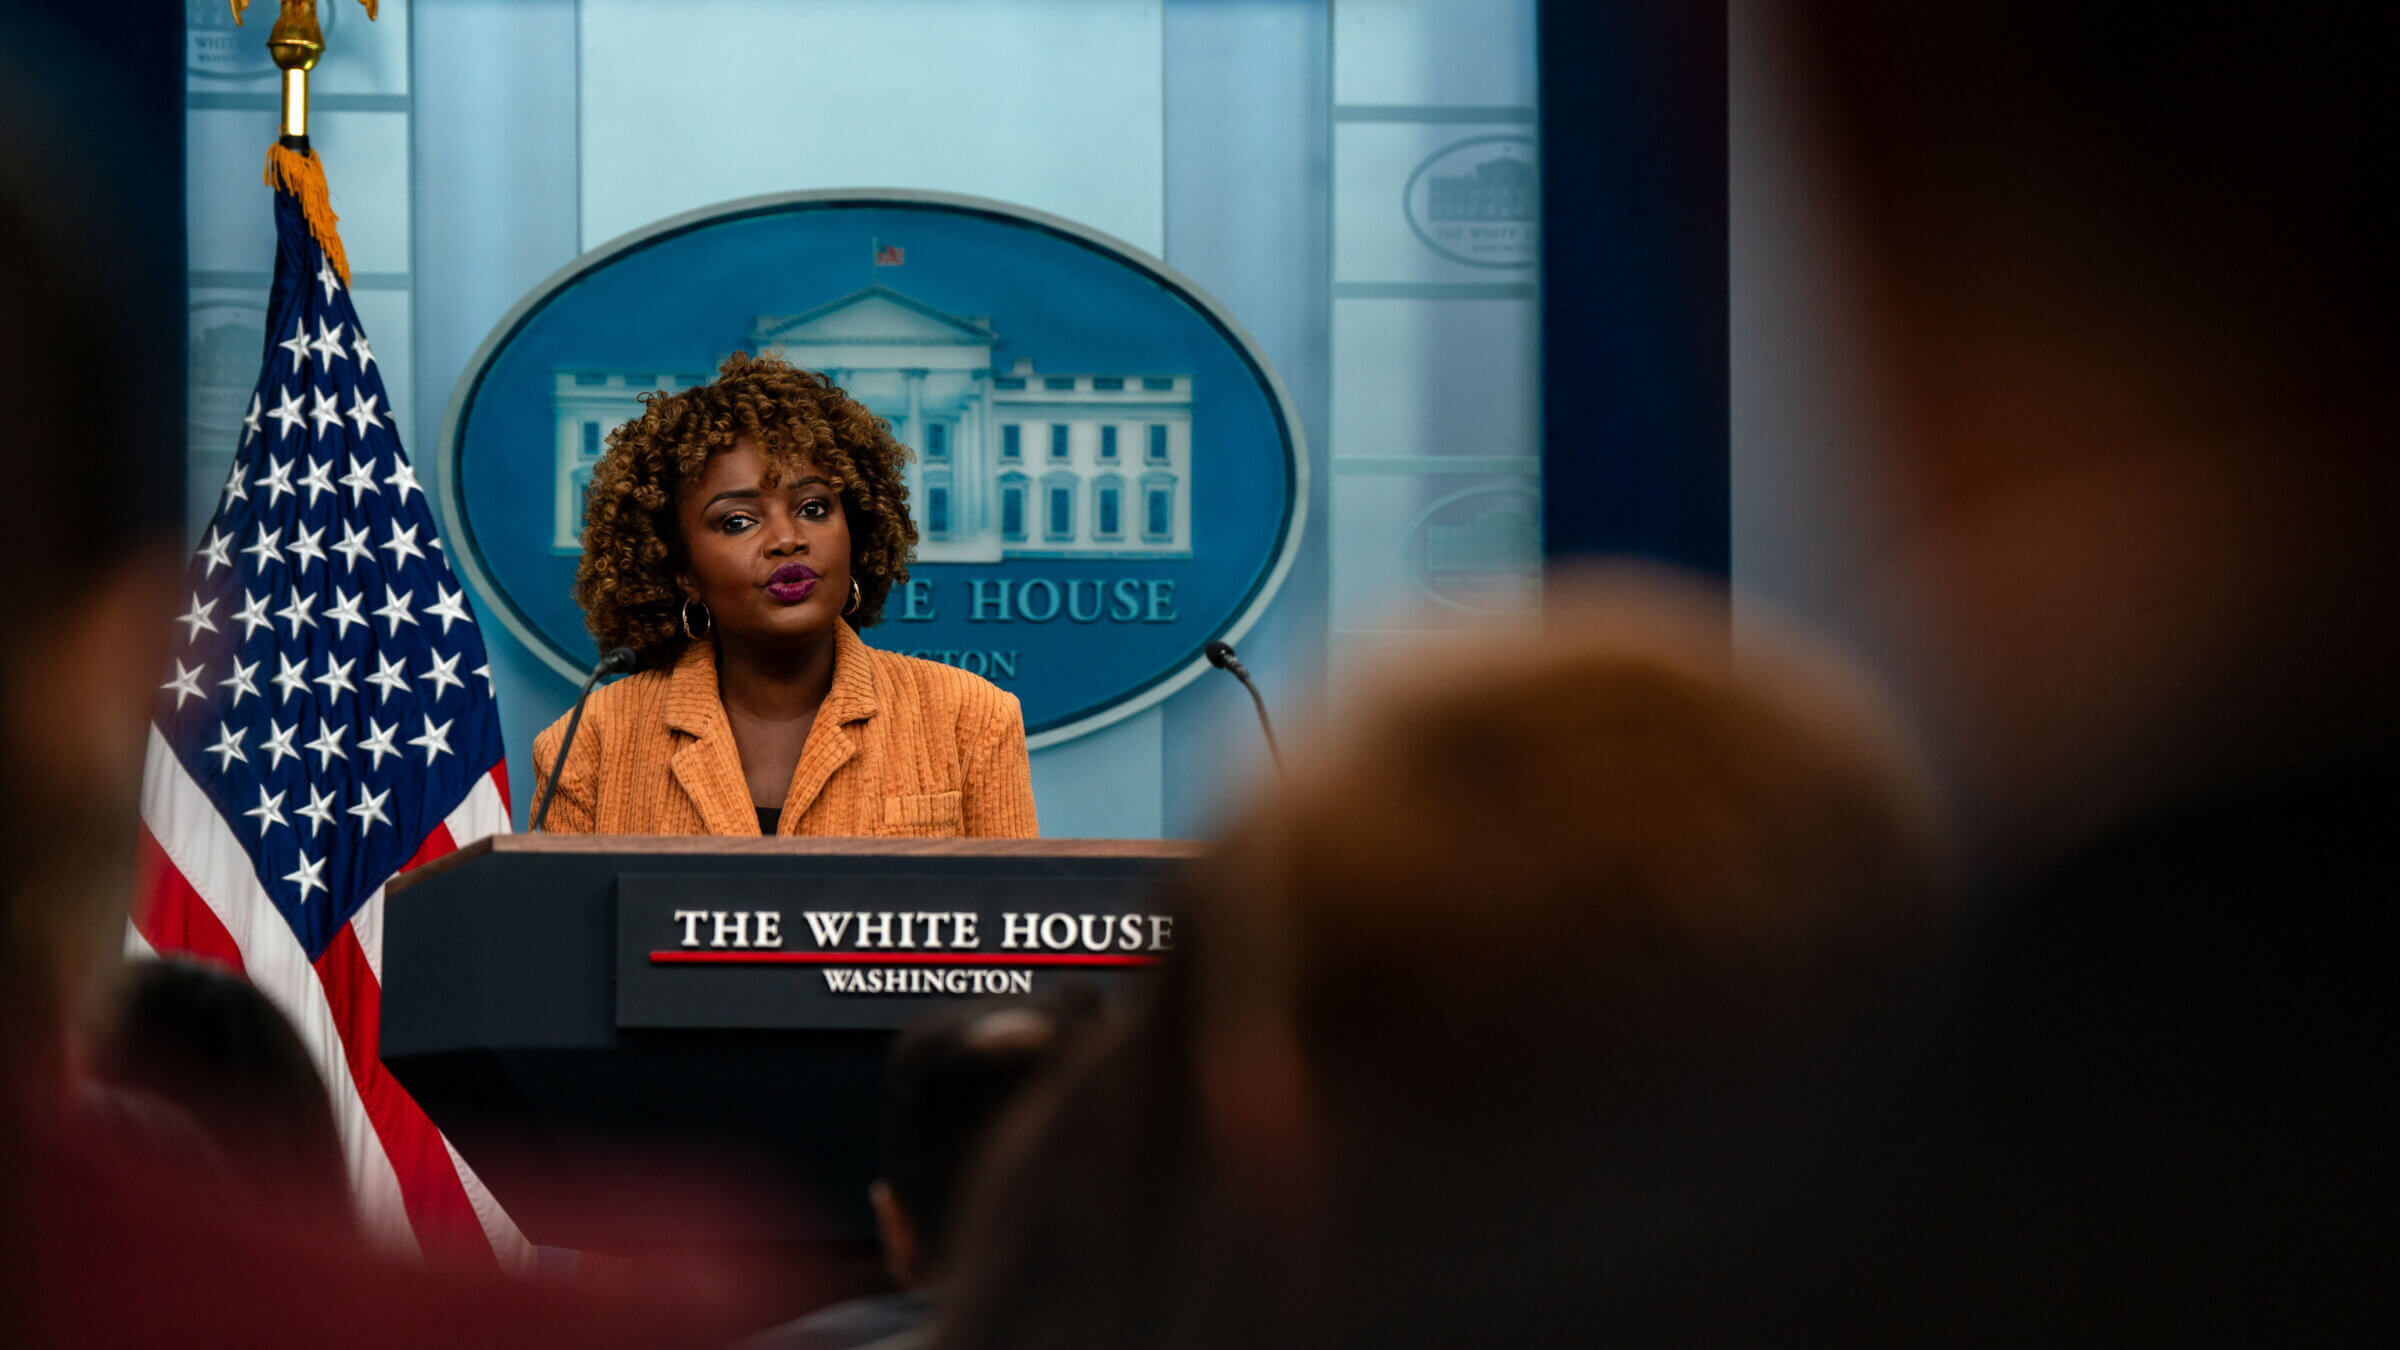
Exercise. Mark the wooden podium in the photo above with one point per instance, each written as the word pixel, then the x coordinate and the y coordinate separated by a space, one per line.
pixel 559 1003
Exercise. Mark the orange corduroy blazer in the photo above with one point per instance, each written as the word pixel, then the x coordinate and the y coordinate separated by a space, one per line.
pixel 900 748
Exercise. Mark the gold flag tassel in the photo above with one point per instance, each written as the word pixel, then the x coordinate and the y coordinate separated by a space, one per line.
pixel 297 172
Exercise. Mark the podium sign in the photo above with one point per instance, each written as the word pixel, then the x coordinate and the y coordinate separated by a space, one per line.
pixel 860 943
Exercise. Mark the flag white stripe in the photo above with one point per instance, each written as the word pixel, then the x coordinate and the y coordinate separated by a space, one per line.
pixel 202 847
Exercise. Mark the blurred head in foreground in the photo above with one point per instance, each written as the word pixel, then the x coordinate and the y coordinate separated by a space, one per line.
pixel 2127 276
pixel 1551 960
pixel 208 1042
pixel 951 1080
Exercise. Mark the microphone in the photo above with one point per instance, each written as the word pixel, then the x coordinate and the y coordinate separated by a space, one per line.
pixel 1220 655
pixel 618 661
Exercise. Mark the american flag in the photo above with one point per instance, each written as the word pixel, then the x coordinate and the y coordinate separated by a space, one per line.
pixel 327 721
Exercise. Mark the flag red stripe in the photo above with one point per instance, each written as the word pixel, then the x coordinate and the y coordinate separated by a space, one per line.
pixel 172 917
pixel 429 1185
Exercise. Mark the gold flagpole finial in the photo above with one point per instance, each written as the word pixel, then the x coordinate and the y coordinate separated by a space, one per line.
pixel 296 41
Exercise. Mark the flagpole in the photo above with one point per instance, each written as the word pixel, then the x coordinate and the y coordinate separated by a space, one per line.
pixel 296 42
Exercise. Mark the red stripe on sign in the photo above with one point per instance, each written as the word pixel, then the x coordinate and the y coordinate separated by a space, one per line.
pixel 172 917
pixel 684 958
pixel 438 1208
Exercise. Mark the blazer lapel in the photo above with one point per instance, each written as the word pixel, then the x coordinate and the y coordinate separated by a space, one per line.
pixel 708 766
pixel 833 738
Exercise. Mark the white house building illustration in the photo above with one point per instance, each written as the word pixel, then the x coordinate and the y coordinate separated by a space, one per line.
pixel 1014 464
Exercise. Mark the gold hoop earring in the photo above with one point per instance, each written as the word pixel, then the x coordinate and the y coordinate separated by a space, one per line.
pixel 853 607
pixel 706 616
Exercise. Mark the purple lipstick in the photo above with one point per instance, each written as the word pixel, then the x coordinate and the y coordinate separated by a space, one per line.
pixel 793 583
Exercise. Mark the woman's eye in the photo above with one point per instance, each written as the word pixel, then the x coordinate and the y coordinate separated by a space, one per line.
pixel 815 508
pixel 735 524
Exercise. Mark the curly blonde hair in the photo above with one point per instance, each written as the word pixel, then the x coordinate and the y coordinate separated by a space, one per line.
pixel 632 543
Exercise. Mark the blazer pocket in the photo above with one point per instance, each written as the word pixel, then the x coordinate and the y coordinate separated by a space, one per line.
pixel 933 815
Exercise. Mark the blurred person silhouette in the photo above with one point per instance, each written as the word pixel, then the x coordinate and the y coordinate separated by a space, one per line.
pixel 112 1231
pixel 950 1081
pixel 208 1042
pixel 2125 275
pixel 1551 965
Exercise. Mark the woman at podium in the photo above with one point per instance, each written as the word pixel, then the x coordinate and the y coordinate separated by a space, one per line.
pixel 737 537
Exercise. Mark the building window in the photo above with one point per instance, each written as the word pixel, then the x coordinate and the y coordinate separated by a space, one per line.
pixel 1158 444
pixel 590 377
pixel 1160 524
pixel 1105 513
pixel 1012 442
pixel 1062 513
pixel 1108 442
pixel 1058 440
pixel 1008 382
pixel 1108 382
pixel 1012 510
pixel 937 510
pixel 591 440
pixel 1059 382
pixel 937 440
pixel 1158 384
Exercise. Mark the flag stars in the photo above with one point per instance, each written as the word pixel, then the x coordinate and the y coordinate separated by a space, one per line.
pixel 485 670
pixel 279 744
pixel 434 740
pixel 394 610
pixel 369 809
pixel 324 410
pixel 266 548
pixel 362 413
pixel 327 345
pixel 251 426
pixel 186 683
pixel 318 480
pixel 319 809
pixel 308 876
pixel 253 615
pixel 402 481
pixel 217 549
pixel 358 345
pixel 379 741
pixel 345 611
pixel 297 344
pixel 290 679
pixel 336 678
pixel 449 606
pixel 277 481
pixel 195 620
pixel 298 612
pixel 243 682
pixel 354 545
pixel 228 748
pixel 287 414
pixel 306 547
pixel 328 748
pixel 235 489
pixel 360 480
pixel 328 278
pixel 444 674
pixel 268 813
pixel 403 546
pixel 391 676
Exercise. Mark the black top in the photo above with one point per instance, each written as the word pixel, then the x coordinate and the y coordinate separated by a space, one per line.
pixel 768 818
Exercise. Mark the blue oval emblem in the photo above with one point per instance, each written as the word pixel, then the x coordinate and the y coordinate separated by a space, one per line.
pixel 1108 472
